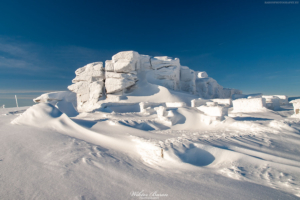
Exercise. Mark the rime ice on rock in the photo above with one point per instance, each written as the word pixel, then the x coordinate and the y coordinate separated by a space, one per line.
pixel 126 61
pixel 249 105
pixel 121 71
pixel 121 74
pixel 88 85
pixel 166 71
pixel 283 99
pixel 272 102
pixel 187 80
pixel 164 61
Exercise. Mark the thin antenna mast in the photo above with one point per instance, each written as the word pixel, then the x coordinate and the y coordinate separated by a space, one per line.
pixel 16 100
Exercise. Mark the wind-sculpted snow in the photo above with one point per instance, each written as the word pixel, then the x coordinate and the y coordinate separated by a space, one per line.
pixel 252 155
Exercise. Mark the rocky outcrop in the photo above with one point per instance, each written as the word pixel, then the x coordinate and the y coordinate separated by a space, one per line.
pixel 121 71
pixel 88 85
pixel 94 83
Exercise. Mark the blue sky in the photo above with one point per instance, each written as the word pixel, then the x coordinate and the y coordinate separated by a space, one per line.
pixel 243 44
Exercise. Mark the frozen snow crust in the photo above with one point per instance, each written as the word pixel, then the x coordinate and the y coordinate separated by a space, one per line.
pixel 121 76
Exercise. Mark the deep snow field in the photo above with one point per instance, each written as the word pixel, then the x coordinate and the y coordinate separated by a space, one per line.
pixel 45 154
pixel 137 129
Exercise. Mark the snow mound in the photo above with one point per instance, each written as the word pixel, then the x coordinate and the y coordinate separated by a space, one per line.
pixel 45 115
pixel 65 101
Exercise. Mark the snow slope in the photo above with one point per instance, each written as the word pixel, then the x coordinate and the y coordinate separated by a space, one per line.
pixel 109 155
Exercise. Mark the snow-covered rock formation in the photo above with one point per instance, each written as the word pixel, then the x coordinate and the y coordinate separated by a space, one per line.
pixel 88 85
pixel 94 84
pixel 272 102
pixel 249 105
pixel 296 105
pixel 121 71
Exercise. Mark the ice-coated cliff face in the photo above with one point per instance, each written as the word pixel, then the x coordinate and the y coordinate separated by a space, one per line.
pixel 94 83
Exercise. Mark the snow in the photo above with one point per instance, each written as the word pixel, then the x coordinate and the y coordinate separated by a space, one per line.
pixel 202 75
pixel 296 105
pixel 109 66
pixel 63 100
pixel 114 85
pixel 126 61
pixel 224 102
pixel 85 73
pixel 164 61
pixel 272 102
pixel 175 104
pixel 199 102
pixel 146 139
pixel 102 155
pixel 249 105
pixel 88 86
pixel 214 110
pixel 249 96
pixel 54 97
pixel 283 99
pixel 120 78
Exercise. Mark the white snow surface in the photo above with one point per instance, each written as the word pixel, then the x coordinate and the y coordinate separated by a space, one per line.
pixel 150 139
pixel 116 153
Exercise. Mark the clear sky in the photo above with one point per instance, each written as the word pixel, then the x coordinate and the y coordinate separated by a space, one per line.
pixel 245 44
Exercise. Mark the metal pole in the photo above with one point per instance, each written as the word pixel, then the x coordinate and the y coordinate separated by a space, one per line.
pixel 16 100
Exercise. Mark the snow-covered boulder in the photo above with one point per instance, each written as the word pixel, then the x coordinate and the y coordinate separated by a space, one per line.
pixel 244 96
pixel 161 111
pixel 121 71
pixel 114 85
pixel 167 118
pixel 109 66
pixel 224 102
pixel 126 61
pixel 283 99
pixel 166 72
pixel 129 76
pixel 145 63
pixel 209 88
pixel 187 80
pixel 93 70
pixel 164 61
pixel 272 102
pixel 214 111
pixel 88 85
pixel 199 102
pixel 95 84
pixel 249 105
pixel 211 104
pixel 145 105
pixel 175 104
pixel 296 105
